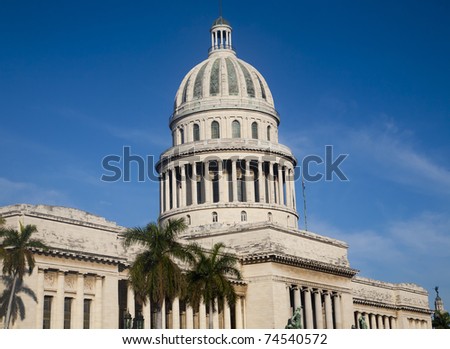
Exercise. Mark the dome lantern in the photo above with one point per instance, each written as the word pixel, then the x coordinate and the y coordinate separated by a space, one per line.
pixel 221 35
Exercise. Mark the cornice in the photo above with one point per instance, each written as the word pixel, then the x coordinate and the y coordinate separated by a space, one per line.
pixel 396 307
pixel 299 262
pixel 84 256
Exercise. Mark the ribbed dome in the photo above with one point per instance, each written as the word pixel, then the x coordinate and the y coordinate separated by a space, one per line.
pixel 224 77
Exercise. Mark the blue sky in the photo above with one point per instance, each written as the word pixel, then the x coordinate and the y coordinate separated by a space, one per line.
pixel 80 80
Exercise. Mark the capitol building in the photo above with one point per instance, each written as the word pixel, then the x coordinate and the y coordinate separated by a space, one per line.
pixel 231 180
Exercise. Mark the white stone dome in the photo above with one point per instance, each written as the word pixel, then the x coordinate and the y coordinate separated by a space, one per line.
pixel 223 80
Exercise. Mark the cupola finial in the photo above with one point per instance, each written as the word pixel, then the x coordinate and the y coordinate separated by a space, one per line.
pixel 221 33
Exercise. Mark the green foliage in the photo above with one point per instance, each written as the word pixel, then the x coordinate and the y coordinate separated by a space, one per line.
pixel 208 278
pixel 155 273
pixel 16 250
pixel 441 320
pixel 16 254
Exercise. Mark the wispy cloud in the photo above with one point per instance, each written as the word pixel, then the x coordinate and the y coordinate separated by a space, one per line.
pixel 415 249
pixel 130 134
pixel 394 156
pixel 12 192
pixel 381 149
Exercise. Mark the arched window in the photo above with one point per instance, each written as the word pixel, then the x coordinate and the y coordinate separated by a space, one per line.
pixel 268 133
pixel 188 220
pixel 215 130
pixel 215 217
pixel 196 133
pixel 255 130
pixel 236 129
pixel 243 216
pixel 181 136
pixel 270 217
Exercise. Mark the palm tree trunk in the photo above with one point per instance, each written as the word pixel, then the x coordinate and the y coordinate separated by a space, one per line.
pixel 158 316
pixel 11 297
pixel 211 314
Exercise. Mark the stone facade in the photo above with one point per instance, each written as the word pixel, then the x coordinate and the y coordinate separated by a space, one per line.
pixel 230 179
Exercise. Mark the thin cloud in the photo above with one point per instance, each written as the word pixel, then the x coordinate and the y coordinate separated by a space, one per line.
pixel 383 150
pixel 132 135
pixel 12 192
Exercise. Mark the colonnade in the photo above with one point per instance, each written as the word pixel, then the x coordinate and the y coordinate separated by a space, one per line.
pixel 178 315
pixel 375 321
pixel 321 309
pixel 221 39
pixel 231 180
pixel 417 324
pixel 68 300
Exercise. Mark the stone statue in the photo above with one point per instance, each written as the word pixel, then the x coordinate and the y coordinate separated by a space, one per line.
pixel 437 291
pixel 295 321
pixel 362 323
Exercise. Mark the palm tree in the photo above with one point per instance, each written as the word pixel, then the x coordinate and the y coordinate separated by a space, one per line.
pixel 17 306
pixel 17 255
pixel 441 320
pixel 155 274
pixel 208 279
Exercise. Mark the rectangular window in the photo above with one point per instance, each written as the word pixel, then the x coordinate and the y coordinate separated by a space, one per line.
pixel 47 318
pixel 87 314
pixel 67 312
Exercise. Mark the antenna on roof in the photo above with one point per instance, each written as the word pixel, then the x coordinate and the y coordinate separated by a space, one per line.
pixel 220 8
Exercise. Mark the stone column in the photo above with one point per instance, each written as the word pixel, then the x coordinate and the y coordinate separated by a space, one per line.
pixel 248 183
pixel 261 186
pixel 189 317
pixel 373 321
pixel 356 316
pixel 161 193
pixel 183 186
pixel 297 299
pixel 163 314
pixel 386 322
pixel 380 322
pixel 59 302
pixel 328 311
pixel 174 188
pixel 194 183
pixel 130 302
pixel 234 180
pixel 309 323
pixel 98 303
pixel 367 320
pixel 337 311
pixel 166 191
pixel 147 314
pixel 176 314
pixel 393 322
pixel 222 181
pixel 79 303
pixel 208 184
pixel 226 316
pixel 212 40
pixel 318 309
pixel 202 316
pixel 280 185
pixel 271 184
pixel 40 299
pixel 294 199
pixel 239 322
